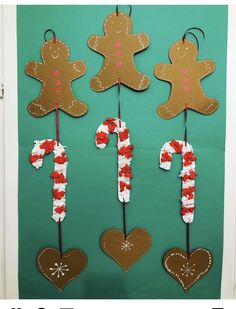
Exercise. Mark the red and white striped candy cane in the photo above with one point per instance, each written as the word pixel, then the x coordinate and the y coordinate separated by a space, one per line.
pixel 41 148
pixel 188 173
pixel 115 125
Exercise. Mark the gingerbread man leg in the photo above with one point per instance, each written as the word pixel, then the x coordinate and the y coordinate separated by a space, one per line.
pixel 37 107
pixel 208 105
pixel 136 80
pixel 170 109
pixel 72 106
pixel 104 79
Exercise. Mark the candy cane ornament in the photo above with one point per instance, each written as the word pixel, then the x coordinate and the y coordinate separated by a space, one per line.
pixel 188 173
pixel 125 148
pixel 42 148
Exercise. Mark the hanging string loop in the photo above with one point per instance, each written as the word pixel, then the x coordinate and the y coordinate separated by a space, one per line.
pixel 188 32
pixel 54 35
pixel 185 122
pixel 130 10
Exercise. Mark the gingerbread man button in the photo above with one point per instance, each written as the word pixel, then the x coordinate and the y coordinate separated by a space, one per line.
pixel 56 74
pixel 118 46
pixel 185 74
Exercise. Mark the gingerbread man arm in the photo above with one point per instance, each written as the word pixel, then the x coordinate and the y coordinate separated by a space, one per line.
pixel 76 69
pixel 139 41
pixel 98 43
pixel 35 70
pixel 205 67
pixel 163 71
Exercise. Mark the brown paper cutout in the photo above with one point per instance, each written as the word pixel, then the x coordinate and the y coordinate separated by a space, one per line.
pixel 56 74
pixel 71 264
pixel 126 252
pixel 118 46
pixel 184 74
pixel 187 271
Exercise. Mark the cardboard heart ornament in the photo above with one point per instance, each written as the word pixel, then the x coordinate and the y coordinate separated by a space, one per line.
pixel 61 270
pixel 126 251
pixel 187 271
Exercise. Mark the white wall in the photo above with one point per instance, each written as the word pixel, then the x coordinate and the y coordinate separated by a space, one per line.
pixel 2 214
pixel 228 287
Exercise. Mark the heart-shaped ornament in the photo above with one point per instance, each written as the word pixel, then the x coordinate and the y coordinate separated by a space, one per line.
pixel 60 270
pixel 188 270
pixel 126 251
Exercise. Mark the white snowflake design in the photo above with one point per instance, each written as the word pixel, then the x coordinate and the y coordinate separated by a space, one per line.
pixel 59 270
pixel 126 246
pixel 187 270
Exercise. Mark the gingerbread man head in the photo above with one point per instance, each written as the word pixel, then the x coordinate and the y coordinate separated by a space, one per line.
pixel 117 24
pixel 183 51
pixel 53 51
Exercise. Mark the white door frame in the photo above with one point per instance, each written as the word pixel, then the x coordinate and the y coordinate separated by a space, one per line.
pixel 10 150
pixel 228 284
pixel 10 185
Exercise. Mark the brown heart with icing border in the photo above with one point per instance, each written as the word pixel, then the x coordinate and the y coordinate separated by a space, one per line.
pixel 60 270
pixel 126 251
pixel 188 270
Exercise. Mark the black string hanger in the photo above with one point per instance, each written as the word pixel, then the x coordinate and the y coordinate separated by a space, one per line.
pixel 58 140
pixel 130 10
pixel 188 32
pixel 119 117
pixel 51 31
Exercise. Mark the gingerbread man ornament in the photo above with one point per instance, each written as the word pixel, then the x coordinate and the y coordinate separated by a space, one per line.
pixel 185 74
pixel 56 74
pixel 118 46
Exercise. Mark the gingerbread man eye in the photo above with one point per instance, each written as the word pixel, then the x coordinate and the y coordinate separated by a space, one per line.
pixel 178 48
pixel 186 48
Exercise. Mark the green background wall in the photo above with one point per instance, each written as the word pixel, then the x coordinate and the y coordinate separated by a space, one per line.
pixel 92 200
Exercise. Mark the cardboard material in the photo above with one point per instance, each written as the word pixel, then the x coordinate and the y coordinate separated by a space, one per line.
pixel 184 75
pixel 187 271
pixel 118 46
pixel 61 270
pixel 56 74
pixel 127 251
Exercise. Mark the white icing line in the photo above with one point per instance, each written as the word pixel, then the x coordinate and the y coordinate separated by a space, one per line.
pixel 175 275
